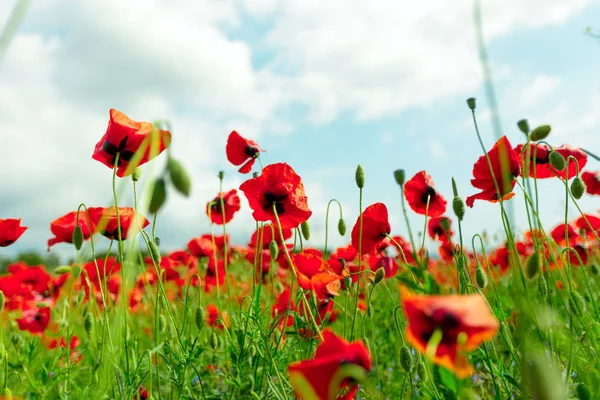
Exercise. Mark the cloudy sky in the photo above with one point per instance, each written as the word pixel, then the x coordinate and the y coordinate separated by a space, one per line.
pixel 323 85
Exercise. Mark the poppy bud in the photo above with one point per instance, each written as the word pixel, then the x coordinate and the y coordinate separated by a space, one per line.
pixel 481 277
pixel 532 268
pixel 342 227
pixel 199 317
pixel 458 205
pixel 400 176
pixel 594 269
pixel 65 269
pixel 577 304
pixel 255 175
pixel 154 252
pixel 162 323
pixel 273 250
pixel 577 187
pixel 583 393
pixel 42 304
pixel 1 300
pixel 77 237
pixel 179 177
pixel 471 103
pixel 422 371
pixel 542 286
pixel 305 229
pixel 523 125
pixel 75 272
pixel 406 358
pixel 347 282
pixel 157 241
pixel 221 175
pixel 137 174
pixel 360 176
pixel 445 223
pixel 557 161
pixel 213 341
pixel 16 340
pixel 379 275
pixel 159 195
pixel 540 133
pixel 88 324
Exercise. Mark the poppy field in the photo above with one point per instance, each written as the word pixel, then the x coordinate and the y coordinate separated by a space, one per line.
pixel 433 314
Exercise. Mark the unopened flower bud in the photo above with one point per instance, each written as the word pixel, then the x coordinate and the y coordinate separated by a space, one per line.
pixel 199 318
pixel 75 271
pixel 523 125
pixel 154 252
pixel 213 341
pixel 157 241
pixel 406 358
pixel 471 103
pixel 137 174
pixel 88 324
pixel 400 176
pixel 305 229
pixel 595 269
pixel 179 177
pixel 77 237
pixel 379 275
pixel 360 176
pixel 445 223
pixel 255 175
pixel 458 206
pixel 347 282
pixel 342 227
pixel 273 249
pixel 577 187
pixel 533 266
pixel 159 195
pixel 557 161
pixel 540 133
pixel 422 371
pixel 221 175
pixel 481 277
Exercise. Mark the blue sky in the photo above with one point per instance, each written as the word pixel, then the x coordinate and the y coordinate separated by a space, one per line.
pixel 322 85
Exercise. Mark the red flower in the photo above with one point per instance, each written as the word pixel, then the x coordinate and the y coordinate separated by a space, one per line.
pixel 559 232
pixel 314 274
pixel 242 151
pixel 34 320
pixel 375 228
pixel 418 190
pixel 231 205
pixel 201 246
pixel 10 231
pixel 389 264
pixel 505 167
pixel 105 221
pixel 331 369
pixel 348 253
pixel 435 229
pixel 280 187
pixel 543 169
pixel 63 228
pixel 592 182
pixel 125 137
pixel 267 236
pixel 281 307
pixel 451 315
pixel 593 226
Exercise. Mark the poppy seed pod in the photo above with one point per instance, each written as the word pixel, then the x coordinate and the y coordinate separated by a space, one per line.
pixel 154 252
pixel 199 318
pixel 77 237
pixel 445 223
pixel 65 269
pixel 422 371
pixel 221 175
pixel 88 324
pixel 400 176
pixel 157 241
pixel 273 249
pixel 406 358
pixel 360 176
pixel 159 195
pixel 557 161
pixel 137 174
pixel 595 269
pixel 540 133
pixel 342 227
pixel 458 206
pixel 179 176
pixel 305 229
pixel 523 125
pixel 577 188
pixel 481 277
pixel 379 275
pixel 532 268
pixel 471 102
pixel 213 341
pixel 347 282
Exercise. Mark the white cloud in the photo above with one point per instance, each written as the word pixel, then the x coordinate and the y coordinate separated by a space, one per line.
pixel 540 87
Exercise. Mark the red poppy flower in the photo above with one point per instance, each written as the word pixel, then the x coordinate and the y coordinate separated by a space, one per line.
pixel 501 257
pixel 437 231
pixel 451 315
pixel 280 187
pixel 405 248
pixel 329 371
pixel 231 205
pixel 242 151
pixel 281 307
pixel 105 221
pixel 34 320
pixel 314 274
pixel 590 226
pixel 63 228
pixel 347 253
pixel 559 232
pixel 267 236
pixel 375 228
pixel 417 192
pixel 582 252
pixel 10 231
pixel 74 356
pixel 215 274
pixel 389 264
pixel 592 182
pixel 543 169
pixel 201 246
pixel 505 167
pixel 124 137
pixel 34 278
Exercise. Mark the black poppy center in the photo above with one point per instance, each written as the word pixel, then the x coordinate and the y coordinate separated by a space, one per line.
pixel 430 194
pixel 112 150
pixel 271 199
pixel 439 231
pixel 216 206
pixel 251 151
